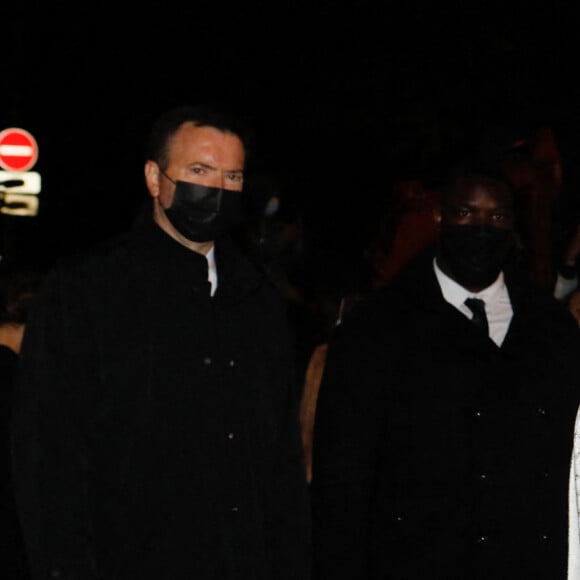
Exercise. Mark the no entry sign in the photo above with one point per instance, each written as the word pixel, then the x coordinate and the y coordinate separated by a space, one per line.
pixel 18 149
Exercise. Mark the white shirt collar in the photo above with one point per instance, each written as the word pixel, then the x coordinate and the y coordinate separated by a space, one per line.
pixel 496 297
pixel 212 270
pixel 456 294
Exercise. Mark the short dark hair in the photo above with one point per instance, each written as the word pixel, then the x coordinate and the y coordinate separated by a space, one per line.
pixel 463 181
pixel 167 124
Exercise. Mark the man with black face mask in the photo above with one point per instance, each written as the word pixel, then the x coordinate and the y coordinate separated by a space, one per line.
pixel 156 427
pixel 444 430
pixel 476 241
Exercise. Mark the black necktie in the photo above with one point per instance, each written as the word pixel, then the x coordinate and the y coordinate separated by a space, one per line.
pixel 477 306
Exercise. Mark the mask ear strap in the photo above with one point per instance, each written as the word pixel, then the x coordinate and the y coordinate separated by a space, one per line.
pixel 167 176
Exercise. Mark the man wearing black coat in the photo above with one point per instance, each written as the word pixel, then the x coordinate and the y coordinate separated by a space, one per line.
pixel 156 432
pixel 442 448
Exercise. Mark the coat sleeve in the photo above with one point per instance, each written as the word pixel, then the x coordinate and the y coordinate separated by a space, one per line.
pixel 348 423
pixel 46 441
pixel 573 512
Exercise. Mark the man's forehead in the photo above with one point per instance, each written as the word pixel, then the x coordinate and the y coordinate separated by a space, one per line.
pixel 202 143
pixel 474 193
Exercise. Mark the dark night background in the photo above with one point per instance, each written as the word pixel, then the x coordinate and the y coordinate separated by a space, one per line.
pixel 344 98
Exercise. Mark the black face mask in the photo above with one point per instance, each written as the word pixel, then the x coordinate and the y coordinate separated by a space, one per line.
pixel 474 254
pixel 201 213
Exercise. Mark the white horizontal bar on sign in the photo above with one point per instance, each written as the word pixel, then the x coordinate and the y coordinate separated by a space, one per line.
pixel 16 150
pixel 31 182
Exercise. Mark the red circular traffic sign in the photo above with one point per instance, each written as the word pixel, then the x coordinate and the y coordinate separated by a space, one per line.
pixel 18 149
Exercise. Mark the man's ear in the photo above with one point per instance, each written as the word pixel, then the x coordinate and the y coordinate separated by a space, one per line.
pixel 152 178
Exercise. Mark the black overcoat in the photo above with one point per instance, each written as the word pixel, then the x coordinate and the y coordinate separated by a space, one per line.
pixel 438 454
pixel 155 430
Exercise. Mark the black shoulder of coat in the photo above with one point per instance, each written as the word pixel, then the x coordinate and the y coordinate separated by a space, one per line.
pixel 106 250
pixel 99 266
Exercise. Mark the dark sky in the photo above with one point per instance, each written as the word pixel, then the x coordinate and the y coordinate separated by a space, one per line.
pixel 343 100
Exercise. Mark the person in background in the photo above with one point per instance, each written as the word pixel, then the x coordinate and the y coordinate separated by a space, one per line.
pixel 532 165
pixel 156 424
pixel 406 230
pixel 445 416
pixel 568 269
pixel 573 304
pixel 18 289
